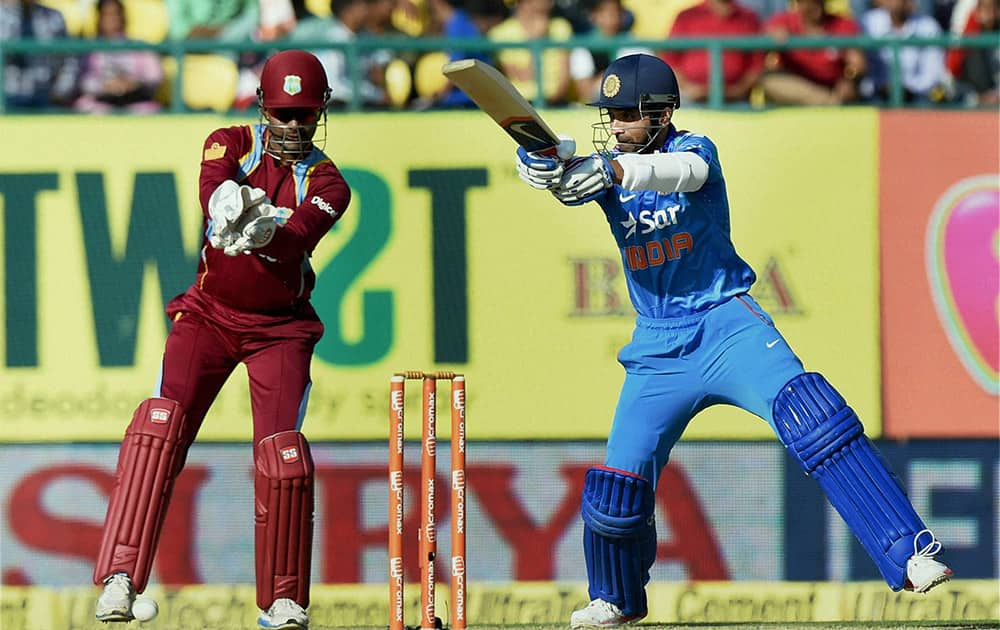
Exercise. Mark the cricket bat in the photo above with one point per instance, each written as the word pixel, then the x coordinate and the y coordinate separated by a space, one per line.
pixel 493 93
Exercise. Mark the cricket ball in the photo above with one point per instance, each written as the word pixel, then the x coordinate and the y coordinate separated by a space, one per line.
pixel 144 608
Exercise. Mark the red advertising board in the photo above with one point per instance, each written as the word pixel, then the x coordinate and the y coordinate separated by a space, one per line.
pixel 940 223
pixel 724 511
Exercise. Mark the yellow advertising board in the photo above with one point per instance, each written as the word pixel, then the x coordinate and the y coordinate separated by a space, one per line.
pixel 536 605
pixel 444 261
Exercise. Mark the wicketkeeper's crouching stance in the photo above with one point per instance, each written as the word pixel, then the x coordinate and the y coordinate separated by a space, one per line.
pixel 268 195
pixel 700 339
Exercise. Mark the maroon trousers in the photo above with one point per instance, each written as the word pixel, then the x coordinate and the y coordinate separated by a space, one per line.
pixel 208 340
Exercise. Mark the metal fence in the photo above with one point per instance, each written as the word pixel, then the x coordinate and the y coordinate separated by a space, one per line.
pixel 354 49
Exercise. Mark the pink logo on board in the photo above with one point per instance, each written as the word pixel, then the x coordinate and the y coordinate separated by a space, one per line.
pixel 963 247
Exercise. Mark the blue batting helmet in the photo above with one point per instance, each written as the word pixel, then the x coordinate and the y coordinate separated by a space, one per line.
pixel 635 80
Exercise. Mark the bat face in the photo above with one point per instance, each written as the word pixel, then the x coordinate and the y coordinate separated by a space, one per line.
pixel 493 93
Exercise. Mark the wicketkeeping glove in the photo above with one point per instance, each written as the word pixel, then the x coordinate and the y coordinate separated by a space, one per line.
pixel 543 171
pixel 257 227
pixel 584 179
pixel 226 207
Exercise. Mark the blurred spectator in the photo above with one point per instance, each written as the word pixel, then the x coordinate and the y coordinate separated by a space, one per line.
pixel 575 12
pixel 119 79
pixel 279 17
pixel 277 20
pixel 413 17
pixel 959 17
pixel 976 70
pixel 346 22
pixel 230 21
pixel 941 10
pixel 224 20
pixel 379 23
pixel 712 19
pixel 486 13
pixel 532 20
pixel 812 76
pixel 35 80
pixel 462 18
pixel 465 18
pixel 858 8
pixel 765 9
pixel 653 18
pixel 586 67
pixel 924 77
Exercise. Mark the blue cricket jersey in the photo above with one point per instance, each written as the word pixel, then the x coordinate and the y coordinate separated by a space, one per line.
pixel 676 250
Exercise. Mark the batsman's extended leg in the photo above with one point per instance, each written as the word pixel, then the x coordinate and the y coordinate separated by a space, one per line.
pixel 826 437
pixel 151 456
pixel 283 514
pixel 619 543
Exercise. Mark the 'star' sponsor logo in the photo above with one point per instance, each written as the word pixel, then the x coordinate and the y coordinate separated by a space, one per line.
pixel 650 220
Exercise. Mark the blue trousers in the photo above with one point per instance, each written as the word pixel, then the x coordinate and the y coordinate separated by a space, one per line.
pixel 731 354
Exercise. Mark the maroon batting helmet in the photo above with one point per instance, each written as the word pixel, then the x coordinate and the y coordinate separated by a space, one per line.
pixel 293 79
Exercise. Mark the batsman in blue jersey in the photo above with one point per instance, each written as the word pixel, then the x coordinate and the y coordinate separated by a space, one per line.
pixel 700 340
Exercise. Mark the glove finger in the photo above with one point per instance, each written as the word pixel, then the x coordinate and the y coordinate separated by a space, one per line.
pixel 536 179
pixel 224 200
pixel 241 245
pixel 251 196
pixel 537 162
pixel 565 197
pixel 534 182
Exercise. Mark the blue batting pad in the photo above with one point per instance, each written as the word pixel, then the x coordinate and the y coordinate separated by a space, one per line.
pixel 825 436
pixel 619 537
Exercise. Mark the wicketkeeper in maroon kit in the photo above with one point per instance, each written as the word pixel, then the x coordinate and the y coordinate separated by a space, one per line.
pixel 268 194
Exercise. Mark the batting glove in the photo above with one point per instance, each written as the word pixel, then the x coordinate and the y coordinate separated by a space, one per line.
pixel 584 179
pixel 542 171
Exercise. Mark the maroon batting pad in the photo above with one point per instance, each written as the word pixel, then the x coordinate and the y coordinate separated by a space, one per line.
pixel 283 518
pixel 151 456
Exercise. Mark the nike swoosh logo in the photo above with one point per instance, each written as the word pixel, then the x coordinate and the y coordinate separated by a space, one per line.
pixel 771 344
pixel 531 130
pixel 623 198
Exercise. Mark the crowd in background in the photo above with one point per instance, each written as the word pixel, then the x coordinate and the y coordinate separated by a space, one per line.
pixel 138 81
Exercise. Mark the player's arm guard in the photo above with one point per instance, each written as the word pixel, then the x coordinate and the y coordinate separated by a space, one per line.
pixel 283 518
pixel 543 171
pixel 227 205
pixel 584 179
pixel 151 456
pixel 619 537
pixel 681 171
pixel 827 439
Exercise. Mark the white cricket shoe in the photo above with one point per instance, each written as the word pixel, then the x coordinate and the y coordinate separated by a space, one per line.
pixel 115 603
pixel 923 572
pixel 601 614
pixel 284 614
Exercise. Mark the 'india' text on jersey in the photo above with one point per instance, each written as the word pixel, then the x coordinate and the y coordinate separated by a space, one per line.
pixel 676 250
